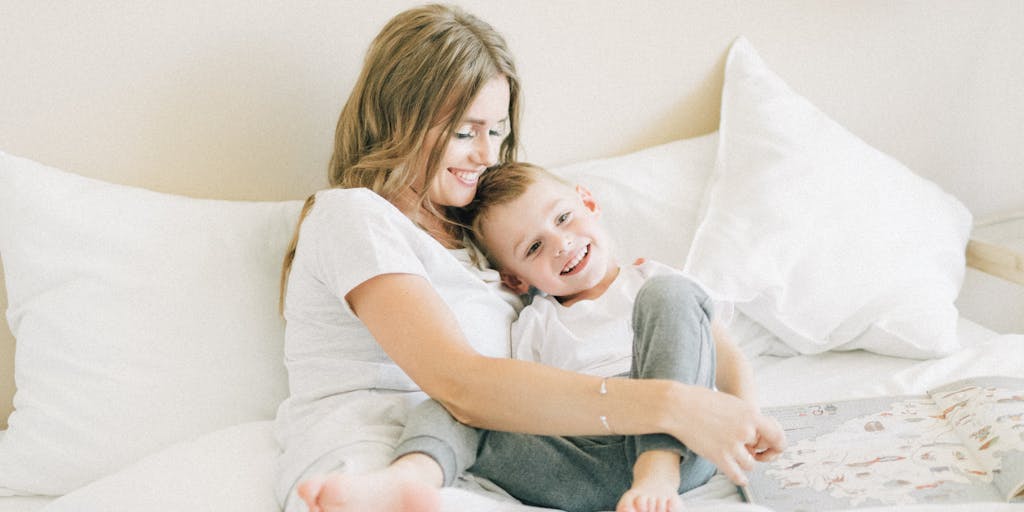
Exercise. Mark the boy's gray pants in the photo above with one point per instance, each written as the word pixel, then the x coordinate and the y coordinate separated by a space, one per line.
pixel 672 340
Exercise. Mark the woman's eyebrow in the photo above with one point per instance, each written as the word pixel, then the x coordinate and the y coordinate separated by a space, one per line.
pixel 482 122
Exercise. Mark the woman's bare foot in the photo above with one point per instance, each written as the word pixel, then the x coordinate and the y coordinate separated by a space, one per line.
pixel 655 484
pixel 397 488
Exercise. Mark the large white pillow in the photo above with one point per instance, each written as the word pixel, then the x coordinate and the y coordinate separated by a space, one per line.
pixel 650 199
pixel 824 240
pixel 141 319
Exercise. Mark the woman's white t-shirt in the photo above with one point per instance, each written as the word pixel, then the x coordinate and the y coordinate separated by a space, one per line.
pixel 346 395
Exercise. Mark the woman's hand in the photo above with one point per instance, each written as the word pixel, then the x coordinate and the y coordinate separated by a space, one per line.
pixel 728 431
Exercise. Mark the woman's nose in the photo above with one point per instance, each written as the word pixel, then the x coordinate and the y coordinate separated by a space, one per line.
pixel 486 151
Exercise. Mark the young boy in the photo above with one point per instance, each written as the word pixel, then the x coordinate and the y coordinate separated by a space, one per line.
pixel 642 321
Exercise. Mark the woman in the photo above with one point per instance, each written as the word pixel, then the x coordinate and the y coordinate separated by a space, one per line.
pixel 382 302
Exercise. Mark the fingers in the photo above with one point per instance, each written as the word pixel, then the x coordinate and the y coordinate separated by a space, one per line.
pixel 771 433
pixel 309 492
pixel 745 460
pixel 730 467
pixel 763 452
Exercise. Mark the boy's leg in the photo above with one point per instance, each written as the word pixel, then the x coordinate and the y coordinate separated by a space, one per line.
pixel 574 474
pixel 672 340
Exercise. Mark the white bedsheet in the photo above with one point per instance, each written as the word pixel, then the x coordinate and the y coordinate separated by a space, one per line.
pixel 232 469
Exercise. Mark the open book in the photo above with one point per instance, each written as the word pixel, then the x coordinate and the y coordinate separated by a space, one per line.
pixel 961 442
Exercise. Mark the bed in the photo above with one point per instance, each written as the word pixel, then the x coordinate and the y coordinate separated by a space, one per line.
pixel 153 160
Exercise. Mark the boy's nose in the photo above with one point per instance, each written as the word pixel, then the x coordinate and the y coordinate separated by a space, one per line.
pixel 564 245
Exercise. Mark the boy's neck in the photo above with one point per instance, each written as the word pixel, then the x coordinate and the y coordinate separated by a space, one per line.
pixel 594 292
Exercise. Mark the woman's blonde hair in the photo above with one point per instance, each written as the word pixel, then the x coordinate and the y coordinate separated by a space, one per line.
pixel 422 70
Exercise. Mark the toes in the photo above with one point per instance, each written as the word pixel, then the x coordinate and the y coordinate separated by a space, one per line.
pixel 309 492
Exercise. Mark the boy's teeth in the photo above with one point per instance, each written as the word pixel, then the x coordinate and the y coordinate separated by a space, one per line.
pixel 576 261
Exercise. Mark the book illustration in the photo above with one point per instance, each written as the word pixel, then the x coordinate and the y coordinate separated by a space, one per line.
pixel 963 442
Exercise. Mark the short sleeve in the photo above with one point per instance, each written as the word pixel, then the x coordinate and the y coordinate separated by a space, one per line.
pixel 353 235
pixel 528 334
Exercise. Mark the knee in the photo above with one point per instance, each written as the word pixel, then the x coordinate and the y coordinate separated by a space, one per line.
pixel 673 292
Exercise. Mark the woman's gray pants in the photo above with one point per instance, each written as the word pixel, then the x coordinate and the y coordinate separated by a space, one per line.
pixel 672 340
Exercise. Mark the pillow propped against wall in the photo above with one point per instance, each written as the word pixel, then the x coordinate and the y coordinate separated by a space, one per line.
pixel 141 320
pixel 824 240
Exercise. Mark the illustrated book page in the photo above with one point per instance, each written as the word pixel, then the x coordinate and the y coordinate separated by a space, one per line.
pixel 961 442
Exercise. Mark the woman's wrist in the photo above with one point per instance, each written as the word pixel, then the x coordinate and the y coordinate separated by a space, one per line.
pixel 671 401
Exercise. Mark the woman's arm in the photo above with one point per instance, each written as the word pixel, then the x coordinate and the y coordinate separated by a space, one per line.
pixel 419 332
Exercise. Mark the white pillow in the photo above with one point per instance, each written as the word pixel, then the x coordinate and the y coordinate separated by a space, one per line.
pixel 650 199
pixel 141 319
pixel 824 240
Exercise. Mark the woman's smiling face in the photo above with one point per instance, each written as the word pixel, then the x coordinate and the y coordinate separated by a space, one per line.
pixel 473 146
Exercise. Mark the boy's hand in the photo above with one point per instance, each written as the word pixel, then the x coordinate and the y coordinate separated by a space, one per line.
pixel 768 447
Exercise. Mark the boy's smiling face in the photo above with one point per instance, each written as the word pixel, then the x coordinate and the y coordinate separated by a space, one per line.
pixel 550 238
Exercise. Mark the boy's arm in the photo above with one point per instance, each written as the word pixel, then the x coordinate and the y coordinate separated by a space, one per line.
pixel 733 373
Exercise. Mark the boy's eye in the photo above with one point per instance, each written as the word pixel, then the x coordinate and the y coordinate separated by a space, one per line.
pixel 534 247
pixel 564 217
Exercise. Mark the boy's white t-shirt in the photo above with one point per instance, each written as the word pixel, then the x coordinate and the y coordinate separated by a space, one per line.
pixel 591 336
pixel 346 395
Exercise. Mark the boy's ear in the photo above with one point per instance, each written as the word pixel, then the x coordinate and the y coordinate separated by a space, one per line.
pixel 588 199
pixel 512 282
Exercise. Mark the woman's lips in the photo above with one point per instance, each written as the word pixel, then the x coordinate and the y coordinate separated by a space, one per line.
pixel 468 178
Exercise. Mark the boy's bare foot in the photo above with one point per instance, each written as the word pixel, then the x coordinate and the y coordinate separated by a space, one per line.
pixel 655 484
pixel 651 498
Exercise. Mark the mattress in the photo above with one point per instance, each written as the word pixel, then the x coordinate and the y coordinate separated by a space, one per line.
pixel 239 462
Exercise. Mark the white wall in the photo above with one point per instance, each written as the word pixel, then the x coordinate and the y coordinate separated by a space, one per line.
pixel 236 99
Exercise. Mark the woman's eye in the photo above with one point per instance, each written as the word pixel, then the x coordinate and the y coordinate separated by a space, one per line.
pixel 466 131
pixel 563 218
pixel 501 130
pixel 534 247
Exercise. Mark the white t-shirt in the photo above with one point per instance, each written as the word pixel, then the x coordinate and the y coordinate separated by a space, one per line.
pixel 345 392
pixel 591 336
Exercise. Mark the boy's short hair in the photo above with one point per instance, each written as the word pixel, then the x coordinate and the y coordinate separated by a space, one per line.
pixel 500 185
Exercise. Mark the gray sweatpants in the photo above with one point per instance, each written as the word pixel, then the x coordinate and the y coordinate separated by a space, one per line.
pixel 672 340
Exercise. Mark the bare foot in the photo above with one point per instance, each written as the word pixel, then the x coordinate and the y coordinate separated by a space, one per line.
pixel 383 491
pixel 655 484
pixel 650 498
